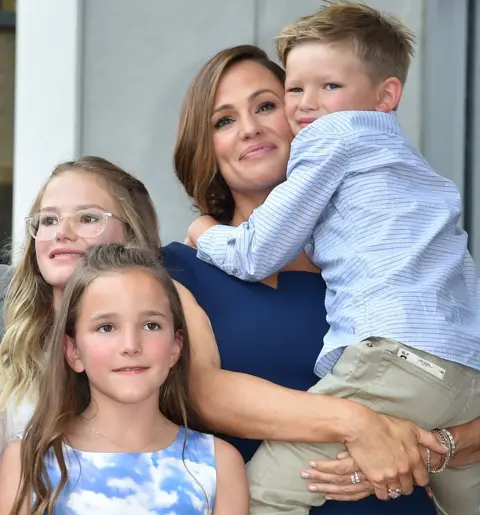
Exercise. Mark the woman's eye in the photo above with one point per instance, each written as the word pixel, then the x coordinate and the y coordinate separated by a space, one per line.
pixel 267 106
pixel 152 326
pixel 105 328
pixel 226 120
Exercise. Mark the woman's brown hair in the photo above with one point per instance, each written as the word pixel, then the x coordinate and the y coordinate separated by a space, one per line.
pixel 29 300
pixel 66 394
pixel 194 159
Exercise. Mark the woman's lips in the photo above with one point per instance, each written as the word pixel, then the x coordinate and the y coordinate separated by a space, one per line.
pixel 258 150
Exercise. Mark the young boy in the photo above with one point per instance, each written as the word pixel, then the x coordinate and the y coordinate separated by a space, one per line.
pixel 402 298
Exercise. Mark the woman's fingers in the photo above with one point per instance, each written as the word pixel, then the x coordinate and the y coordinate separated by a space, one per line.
pixel 345 497
pixel 351 492
pixel 316 476
pixel 342 467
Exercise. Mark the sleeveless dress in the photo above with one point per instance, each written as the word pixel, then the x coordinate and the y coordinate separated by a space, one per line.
pixel 275 334
pixel 172 481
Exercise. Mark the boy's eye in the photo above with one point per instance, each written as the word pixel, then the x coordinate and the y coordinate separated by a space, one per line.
pixel 330 86
pixel 105 328
pixel 294 90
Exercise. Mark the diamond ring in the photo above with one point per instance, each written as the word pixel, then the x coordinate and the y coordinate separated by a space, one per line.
pixel 355 478
pixel 394 494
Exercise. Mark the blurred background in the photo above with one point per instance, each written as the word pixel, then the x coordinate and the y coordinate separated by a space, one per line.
pixel 107 77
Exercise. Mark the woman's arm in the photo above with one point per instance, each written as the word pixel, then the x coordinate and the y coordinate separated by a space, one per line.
pixel 10 474
pixel 249 407
pixel 467 439
pixel 237 404
pixel 232 497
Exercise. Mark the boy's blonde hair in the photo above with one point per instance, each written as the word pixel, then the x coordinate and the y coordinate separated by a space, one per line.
pixel 380 41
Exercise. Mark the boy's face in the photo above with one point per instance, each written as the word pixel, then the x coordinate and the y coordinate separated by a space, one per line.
pixel 324 79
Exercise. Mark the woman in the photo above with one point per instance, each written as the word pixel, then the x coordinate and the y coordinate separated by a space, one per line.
pixel 232 150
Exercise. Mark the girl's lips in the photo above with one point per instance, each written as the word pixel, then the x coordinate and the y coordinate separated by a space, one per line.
pixel 66 253
pixel 131 370
pixel 67 256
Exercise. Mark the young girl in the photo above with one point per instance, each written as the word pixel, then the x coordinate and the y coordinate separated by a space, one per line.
pixel 105 436
pixel 84 202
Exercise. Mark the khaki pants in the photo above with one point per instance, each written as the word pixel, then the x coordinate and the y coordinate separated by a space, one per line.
pixel 372 373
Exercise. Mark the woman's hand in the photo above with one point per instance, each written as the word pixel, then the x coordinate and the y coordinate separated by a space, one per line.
pixel 387 451
pixel 334 478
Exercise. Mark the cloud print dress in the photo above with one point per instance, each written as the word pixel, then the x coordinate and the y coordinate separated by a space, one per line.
pixel 172 481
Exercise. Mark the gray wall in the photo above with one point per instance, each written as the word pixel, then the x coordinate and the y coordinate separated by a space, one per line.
pixel 139 57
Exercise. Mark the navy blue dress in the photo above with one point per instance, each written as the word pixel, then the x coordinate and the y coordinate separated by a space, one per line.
pixel 274 334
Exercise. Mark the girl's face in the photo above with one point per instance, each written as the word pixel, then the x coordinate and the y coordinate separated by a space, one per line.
pixel 65 195
pixel 125 340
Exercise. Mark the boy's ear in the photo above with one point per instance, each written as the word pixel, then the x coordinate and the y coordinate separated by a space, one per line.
pixel 389 94
pixel 72 355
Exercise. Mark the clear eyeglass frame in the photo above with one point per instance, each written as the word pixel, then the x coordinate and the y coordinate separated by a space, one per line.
pixel 33 223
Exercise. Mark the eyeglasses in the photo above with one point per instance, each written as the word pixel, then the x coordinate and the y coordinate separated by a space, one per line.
pixel 85 223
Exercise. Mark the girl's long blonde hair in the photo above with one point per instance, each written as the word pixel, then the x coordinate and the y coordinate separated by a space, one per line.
pixel 66 394
pixel 29 300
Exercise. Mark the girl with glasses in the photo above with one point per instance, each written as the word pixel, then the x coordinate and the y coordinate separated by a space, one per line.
pixel 84 202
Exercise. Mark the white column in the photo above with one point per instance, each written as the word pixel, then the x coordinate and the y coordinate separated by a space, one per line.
pixel 47 92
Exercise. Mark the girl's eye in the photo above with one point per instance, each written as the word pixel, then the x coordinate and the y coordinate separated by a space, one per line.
pixel 151 326
pixel 222 122
pixel 331 86
pixel 294 90
pixel 105 328
pixel 267 106
pixel 88 219
pixel 49 220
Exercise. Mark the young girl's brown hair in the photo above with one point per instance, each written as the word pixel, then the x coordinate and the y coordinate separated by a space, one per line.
pixel 66 394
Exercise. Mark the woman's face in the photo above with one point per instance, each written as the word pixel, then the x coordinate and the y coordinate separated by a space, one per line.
pixel 251 138
pixel 66 194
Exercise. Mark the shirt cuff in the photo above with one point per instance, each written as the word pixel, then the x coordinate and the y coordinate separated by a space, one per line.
pixel 217 247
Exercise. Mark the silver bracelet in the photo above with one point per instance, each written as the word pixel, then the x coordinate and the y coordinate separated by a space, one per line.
pixel 451 440
pixel 448 442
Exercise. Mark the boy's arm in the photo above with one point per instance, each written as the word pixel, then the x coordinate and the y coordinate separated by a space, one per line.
pixel 278 230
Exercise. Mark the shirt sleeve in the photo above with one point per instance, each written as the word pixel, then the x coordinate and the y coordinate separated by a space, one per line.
pixel 279 229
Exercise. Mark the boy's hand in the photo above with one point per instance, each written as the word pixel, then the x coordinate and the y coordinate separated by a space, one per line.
pixel 198 227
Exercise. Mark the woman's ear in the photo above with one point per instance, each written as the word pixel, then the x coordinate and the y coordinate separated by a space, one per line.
pixel 72 355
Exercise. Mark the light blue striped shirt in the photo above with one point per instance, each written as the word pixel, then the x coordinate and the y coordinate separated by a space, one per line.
pixel 381 225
